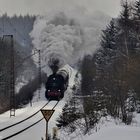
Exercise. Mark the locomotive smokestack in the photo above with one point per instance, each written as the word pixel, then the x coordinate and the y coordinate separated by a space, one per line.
pixel 54 64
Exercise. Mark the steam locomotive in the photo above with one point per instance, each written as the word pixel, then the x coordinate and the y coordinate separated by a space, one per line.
pixel 56 85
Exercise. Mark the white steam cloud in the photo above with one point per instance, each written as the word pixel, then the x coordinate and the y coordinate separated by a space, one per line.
pixel 65 37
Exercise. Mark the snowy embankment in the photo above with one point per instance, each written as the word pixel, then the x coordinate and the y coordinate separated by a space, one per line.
pixel 35 132
pixel 117 133
pixel 107 130
pixel 112 131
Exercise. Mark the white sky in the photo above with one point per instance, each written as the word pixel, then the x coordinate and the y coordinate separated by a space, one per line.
pixel 110 7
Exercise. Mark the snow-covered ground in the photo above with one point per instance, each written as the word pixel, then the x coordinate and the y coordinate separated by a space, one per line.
pixel 109 130
pixel 112 131
pixel 116 133
pixel 37 131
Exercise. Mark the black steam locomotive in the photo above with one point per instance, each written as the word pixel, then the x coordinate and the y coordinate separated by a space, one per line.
pixel 56 85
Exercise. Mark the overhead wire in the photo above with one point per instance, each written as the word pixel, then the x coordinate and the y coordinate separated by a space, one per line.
pixel 22 36
pixel 17 133
pixel 7 127
pixel 35 51
pixel 23 60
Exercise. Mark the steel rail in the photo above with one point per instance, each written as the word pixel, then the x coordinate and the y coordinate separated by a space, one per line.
pixel 17 133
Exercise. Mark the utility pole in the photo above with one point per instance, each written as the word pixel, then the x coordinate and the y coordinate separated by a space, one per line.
pixel 12 78
pixel 39 72
pixel 3 24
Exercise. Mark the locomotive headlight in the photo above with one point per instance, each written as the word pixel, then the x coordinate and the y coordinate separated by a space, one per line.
pixel 59 90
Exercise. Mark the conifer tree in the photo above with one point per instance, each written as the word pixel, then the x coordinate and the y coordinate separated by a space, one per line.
pixel 136 22
pixel 136 10
pixel 125 24
pixel 108 40
pixel 88 75
pixel 125 15
pixel 70 113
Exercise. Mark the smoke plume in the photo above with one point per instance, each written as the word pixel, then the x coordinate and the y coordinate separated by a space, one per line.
pixel 65 37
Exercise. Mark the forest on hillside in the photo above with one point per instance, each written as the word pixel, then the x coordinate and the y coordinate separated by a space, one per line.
pixel 110 82
pixel 110 77
pixel 19 27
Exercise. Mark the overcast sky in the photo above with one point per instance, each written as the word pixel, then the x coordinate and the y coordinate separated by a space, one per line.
pixel 110 7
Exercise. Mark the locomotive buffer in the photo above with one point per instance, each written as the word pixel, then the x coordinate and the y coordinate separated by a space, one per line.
pixel 47 115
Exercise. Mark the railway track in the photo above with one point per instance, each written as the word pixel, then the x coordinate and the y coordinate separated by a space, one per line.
pixel 19 122
pixel 22 126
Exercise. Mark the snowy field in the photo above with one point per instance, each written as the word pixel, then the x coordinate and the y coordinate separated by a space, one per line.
pixel 109 130
pixel 37 131
pixel 112 131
